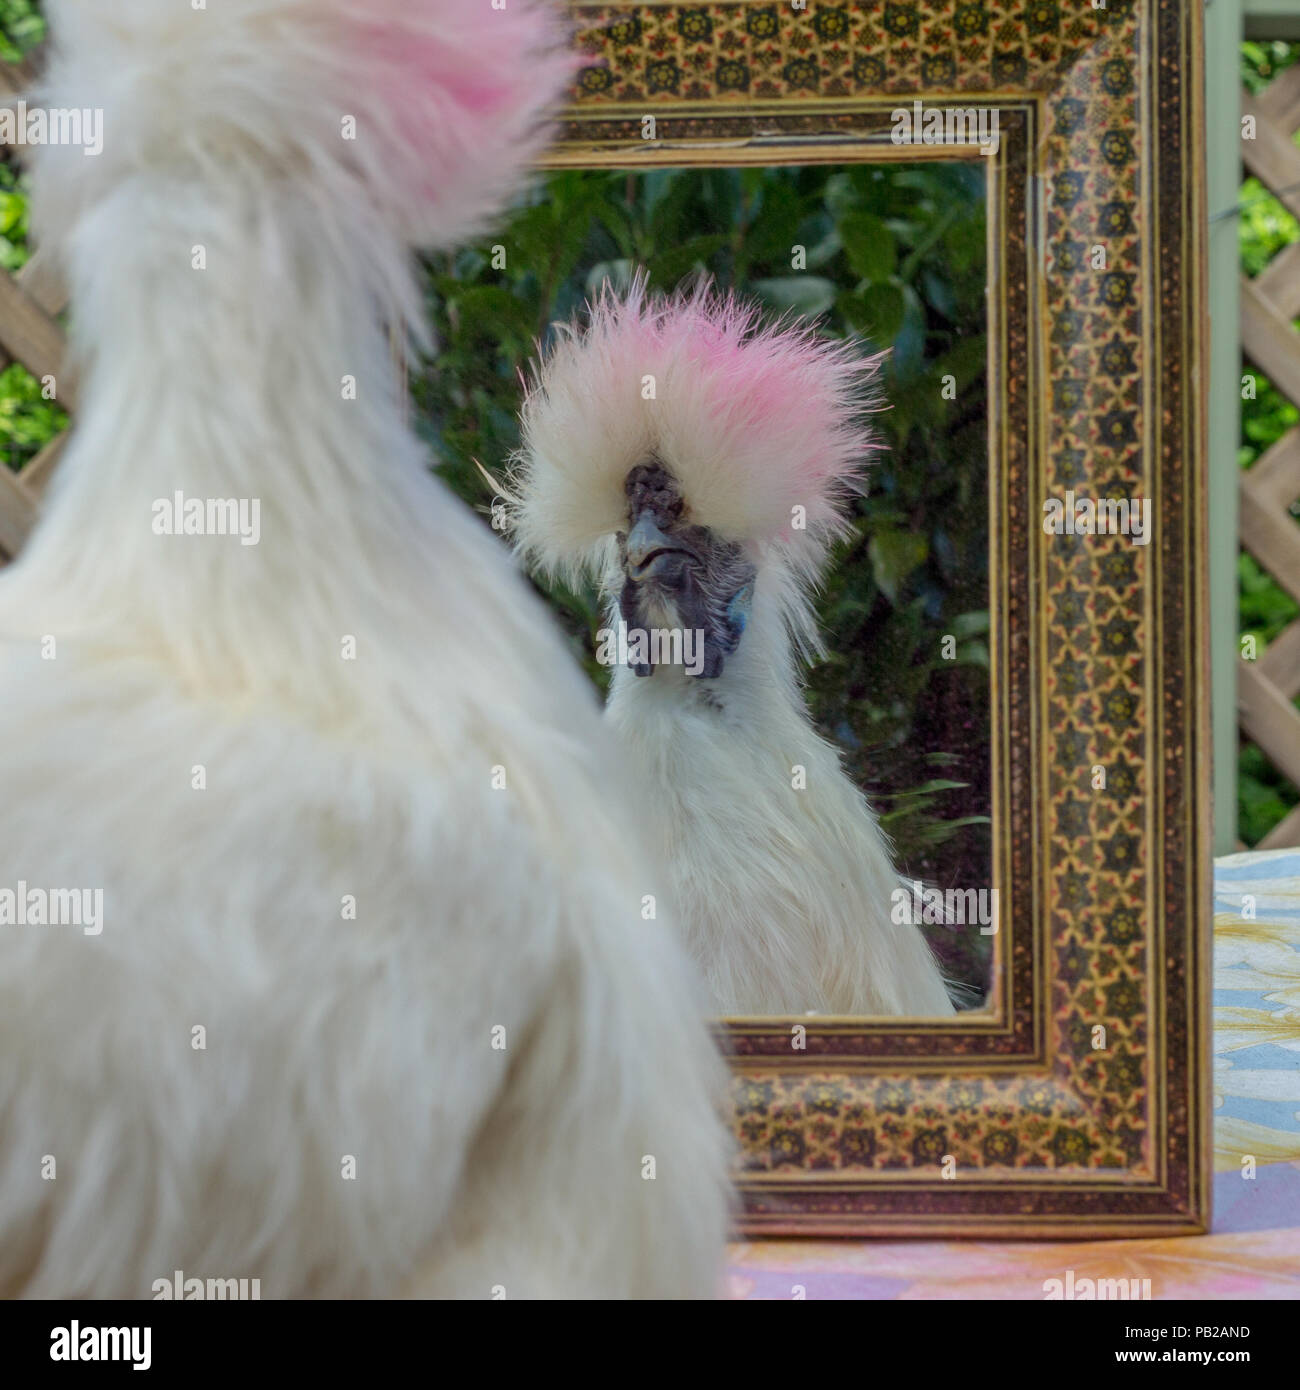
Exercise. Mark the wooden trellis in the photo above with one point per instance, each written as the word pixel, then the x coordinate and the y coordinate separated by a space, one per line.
pixel 30 303
pixel 1266 687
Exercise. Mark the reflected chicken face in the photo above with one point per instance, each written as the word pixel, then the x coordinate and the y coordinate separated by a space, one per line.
pixel 677 574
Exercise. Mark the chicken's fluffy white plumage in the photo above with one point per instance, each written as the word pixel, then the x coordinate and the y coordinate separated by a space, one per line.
pixel 782 875
pixel 326 778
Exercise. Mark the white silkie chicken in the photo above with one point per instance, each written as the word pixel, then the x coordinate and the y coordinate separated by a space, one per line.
pixel 697 464
pixel 322 959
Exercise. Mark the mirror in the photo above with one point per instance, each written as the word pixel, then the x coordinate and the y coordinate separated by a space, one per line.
pixel 825 820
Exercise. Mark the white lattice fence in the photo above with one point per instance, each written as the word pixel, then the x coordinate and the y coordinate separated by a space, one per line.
pixel 1267 687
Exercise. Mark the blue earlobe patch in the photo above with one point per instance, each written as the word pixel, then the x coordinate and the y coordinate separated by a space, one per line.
pixel 739 606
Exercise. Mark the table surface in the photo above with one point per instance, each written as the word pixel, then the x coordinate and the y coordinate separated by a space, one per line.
pixel 1253 1250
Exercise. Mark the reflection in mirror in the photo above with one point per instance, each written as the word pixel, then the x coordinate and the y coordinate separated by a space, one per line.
pixel 752 482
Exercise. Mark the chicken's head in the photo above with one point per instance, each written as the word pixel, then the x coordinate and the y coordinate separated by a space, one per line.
pixel 688 455
pixel 680 575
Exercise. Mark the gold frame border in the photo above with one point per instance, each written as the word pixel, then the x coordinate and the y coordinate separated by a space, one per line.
pixel 900 1201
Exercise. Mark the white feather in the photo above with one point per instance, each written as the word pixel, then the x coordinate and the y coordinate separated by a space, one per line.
pixel 783 877
pixel 784 880
pixel 326 778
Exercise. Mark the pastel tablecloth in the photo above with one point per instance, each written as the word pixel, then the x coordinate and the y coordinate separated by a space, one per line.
pixel 1253 1251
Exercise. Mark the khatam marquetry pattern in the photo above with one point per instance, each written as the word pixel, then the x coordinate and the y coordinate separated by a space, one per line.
pixel 769 51
pixel 1085 1108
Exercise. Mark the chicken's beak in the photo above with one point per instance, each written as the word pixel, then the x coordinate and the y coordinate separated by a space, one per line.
pixel 648 547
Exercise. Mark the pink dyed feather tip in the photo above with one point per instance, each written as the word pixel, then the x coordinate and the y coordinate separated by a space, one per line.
pixel 763 426
pixel 425 112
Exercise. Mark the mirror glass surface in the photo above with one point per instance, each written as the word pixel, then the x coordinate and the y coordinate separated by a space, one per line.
pixel 799 899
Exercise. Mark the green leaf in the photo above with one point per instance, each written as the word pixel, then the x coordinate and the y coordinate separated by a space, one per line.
pixel 810 295
pixel 973 654
pixel 936 784
pixel 876 311
pixel 672 265
pixel 869 245
pixel 966 360
pixel 972 624
pixel 894 555
pixel 773 227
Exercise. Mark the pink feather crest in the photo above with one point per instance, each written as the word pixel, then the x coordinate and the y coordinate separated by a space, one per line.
pixel 461 92
pixel 448 98
pixel 763 425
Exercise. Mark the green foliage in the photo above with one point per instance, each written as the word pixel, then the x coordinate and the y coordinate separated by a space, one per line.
pixel 1265 608
pixel 893 254
pixel 1266 226
pixel 1264 795
pixel 1261 61
pixel 1264 420
pixel 22 27
pixel 27 422
pixel 14 250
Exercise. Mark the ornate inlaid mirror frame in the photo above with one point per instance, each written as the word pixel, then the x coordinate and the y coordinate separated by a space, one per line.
pixel 1075 1102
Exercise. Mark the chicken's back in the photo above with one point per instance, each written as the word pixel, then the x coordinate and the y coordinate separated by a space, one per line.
pixel 338 1019
pixel 370 994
